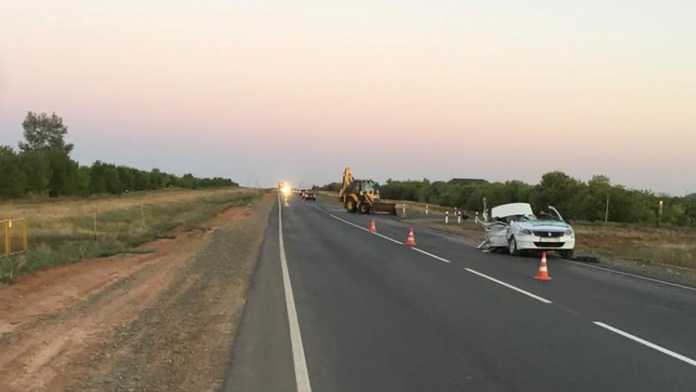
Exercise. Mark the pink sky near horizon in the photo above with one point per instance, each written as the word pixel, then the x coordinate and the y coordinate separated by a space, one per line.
pixel 261 91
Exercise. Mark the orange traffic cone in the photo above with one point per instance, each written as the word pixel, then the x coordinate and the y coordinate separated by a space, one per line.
pixel 373 226
pixel 411 239
pixel 543 273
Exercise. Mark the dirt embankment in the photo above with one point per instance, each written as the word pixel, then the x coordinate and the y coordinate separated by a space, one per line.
pixel 156 321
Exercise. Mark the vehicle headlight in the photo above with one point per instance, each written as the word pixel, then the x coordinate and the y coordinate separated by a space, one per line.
pixel 569 232
pixel 525 232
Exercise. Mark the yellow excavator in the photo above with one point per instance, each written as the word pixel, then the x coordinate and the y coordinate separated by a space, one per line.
pixel 362 195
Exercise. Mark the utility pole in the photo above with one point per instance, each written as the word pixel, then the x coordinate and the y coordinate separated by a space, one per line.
pixel 606 211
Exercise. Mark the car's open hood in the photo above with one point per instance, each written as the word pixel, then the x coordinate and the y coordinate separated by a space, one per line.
pixel 511 209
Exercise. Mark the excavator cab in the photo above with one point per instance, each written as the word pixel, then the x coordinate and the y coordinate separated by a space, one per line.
pixel 364 187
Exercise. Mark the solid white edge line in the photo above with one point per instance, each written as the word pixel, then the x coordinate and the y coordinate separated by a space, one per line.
pixel 519 290
pixel 436 257
pixel 664 282
pixel 298 354
pixel 646 343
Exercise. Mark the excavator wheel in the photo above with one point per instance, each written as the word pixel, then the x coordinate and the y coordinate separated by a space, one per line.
pixel 350 205
pixel 364 208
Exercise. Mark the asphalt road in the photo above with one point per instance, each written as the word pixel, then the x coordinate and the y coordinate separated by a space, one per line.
pixel 367 313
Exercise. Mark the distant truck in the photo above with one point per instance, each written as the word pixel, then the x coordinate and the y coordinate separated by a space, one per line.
pixel 362 195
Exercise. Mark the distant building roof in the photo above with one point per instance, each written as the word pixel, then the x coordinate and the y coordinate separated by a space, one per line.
pixel 466 181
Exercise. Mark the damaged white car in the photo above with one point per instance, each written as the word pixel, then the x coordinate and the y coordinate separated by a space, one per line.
pixel 515 228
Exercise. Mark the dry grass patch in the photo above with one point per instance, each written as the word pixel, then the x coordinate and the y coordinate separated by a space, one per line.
pixel 668 245
pixel 63 231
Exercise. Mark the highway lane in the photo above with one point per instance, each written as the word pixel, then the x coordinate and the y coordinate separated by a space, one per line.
pixel 666 314
pixel 375 315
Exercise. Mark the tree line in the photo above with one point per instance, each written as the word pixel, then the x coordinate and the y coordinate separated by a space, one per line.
pixel 42 166
pixel 595 200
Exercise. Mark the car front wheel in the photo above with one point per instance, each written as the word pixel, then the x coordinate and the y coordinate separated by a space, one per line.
pixel 512 247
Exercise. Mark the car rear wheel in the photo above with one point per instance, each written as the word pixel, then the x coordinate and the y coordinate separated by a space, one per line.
pixel 512 247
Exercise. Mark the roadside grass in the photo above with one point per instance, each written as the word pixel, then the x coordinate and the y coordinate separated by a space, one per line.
pixel 674 246
pixel 64 231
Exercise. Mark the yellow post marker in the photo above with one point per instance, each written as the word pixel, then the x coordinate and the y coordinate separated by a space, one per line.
pixel 8 245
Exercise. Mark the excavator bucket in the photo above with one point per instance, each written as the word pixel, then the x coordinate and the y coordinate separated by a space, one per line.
pixel 384 207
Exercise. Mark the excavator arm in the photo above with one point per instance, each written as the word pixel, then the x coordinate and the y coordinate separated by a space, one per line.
pixel 347 180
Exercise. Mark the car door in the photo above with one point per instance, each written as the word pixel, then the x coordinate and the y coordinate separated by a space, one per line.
pixel 497 233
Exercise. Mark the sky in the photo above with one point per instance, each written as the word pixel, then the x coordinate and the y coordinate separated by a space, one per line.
pixel 261 91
